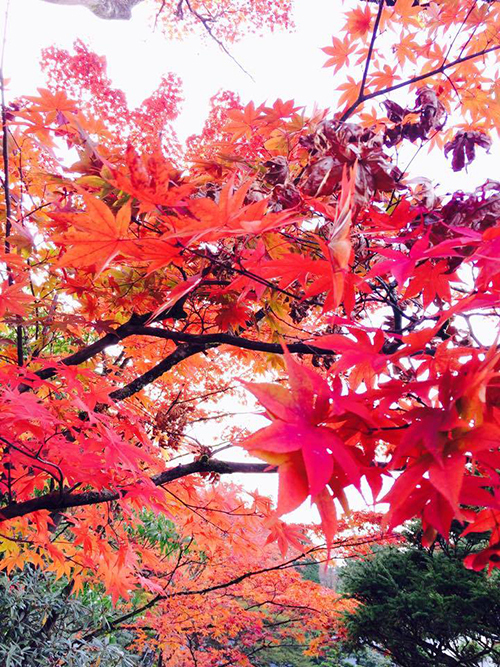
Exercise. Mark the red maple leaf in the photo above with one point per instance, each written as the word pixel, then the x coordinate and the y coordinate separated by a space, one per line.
pixel 298 440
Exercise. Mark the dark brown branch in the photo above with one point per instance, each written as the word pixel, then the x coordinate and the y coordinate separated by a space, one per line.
pixel 62 501
pixel 207 340
pixel 158 14
pixel 285 565
pixel 86 353
pixel 370 50
pixel 178 355
pixel 194 344
pixel 198 343
pixel 6 177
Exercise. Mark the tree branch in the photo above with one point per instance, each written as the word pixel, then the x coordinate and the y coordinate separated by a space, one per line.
pixel 206 25
pixel 62 501
pixel 438 70
pixel 195 343
pixel 6 187
pixel 178 355
pixel 370 49
pixel 198 343
pixel 5 157
pixel 229 339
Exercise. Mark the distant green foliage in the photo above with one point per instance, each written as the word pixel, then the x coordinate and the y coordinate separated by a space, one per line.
pixel 423 606
pixel 337 656
pixel 310 572
pixel 42 625
pixel 285 656
pixel 156 530
pixel 341 656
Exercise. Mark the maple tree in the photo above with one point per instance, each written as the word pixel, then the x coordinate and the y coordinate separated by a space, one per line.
pixel 283 256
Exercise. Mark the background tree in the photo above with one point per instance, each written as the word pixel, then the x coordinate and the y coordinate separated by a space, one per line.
pixel 422 606
pixel 220 20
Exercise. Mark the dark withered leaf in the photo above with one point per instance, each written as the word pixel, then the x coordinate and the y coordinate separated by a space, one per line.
pixel 323 177
pixel 277 170
pixel 286 196
pixel 463 147
pixel 395 112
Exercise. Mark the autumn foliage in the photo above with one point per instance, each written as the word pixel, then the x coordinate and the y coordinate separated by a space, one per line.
pixel 284 257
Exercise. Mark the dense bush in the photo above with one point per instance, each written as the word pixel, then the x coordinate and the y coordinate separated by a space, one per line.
pixel 43 625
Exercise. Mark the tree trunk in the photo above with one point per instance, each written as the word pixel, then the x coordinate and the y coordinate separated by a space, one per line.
pixel 104 9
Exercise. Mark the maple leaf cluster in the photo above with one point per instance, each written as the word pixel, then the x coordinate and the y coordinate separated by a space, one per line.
pixel 288 259
pixel 222 20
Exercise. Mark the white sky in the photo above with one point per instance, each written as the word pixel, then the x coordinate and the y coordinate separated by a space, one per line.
pixel 283 65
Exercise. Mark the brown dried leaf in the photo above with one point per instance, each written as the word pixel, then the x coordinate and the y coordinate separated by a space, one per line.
pixel 277 170
pixel 323 177
pixel 463 147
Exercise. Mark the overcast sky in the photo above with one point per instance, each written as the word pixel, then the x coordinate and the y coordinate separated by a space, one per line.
pixel 283 65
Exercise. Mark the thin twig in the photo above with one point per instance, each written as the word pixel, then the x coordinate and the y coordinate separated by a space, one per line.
pixel 5 147
pixel 471 9
pixel 203 591
pixel 162 7
pixel 56 501
pixel 221 44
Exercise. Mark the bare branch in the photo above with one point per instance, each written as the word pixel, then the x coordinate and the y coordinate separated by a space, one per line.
pixel 203 591
pixel 178 355
pixel 206 24
pixel 194 344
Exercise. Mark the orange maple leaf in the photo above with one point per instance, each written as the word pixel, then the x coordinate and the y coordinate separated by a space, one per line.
pixel 52 102
pixel 383 78
pixel 285 535
pixel 230 215
pixel 242 121
pixel 280 110
pixel 98 238
pixel 151 180
pixel 339 53
pixel 350 92
pixel 13 299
